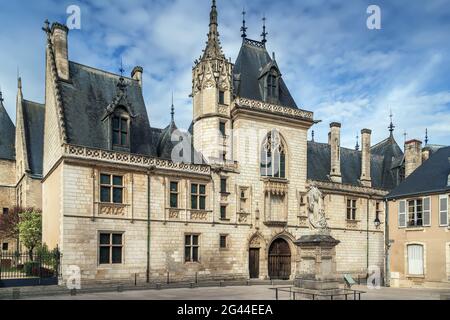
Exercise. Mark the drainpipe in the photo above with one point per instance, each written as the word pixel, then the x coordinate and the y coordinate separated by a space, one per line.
pixel 387 277
pixel 367 226
pixel 148 221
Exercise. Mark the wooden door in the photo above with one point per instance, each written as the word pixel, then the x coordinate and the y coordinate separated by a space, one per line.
pixel 279 260
pixel 254 263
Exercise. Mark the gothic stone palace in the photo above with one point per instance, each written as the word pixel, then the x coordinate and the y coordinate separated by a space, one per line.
pixel 117 205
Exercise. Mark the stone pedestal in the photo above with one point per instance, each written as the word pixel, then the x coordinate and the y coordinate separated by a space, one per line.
pixel 316 269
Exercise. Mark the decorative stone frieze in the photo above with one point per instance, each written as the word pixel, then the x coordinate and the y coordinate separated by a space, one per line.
pixel 276 186
pixel 273 108
pixel 199 215
pixel 112 210
pixel 131 159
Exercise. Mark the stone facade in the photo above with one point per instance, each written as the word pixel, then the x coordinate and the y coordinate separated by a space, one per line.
pixel 245 212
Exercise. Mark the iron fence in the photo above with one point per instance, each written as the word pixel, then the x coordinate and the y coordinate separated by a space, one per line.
pixel 17 265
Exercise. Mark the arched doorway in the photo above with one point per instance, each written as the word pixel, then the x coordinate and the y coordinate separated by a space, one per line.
pixel 279 260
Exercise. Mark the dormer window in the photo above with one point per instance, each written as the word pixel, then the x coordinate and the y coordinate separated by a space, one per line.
pixel 120 128
pixel 271 86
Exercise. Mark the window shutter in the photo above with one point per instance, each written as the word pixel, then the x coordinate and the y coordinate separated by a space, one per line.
pixel 402 214
pixel 443 211
pixel 427 212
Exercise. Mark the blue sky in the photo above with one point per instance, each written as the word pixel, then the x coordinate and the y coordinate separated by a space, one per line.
pixel 332 63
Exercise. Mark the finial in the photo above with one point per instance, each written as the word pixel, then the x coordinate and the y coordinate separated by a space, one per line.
pixel 312 134
pixel 1 95
pixel 391 126
pixel 244 28
pixel 172 113
pixel 19 83
pixel 426 136
pixel 405 135
pixel 121 69
pixel 357 143
pixel 264 34
pixel 46 27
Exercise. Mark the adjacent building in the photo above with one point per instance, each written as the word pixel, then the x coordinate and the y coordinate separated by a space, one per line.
pixel 419 232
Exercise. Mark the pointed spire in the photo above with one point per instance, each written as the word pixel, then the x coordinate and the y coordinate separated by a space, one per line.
pixel 426 136
pixel 357 143
pixel 391 126
pixel 172 113
pixel 121 85
pixel 244 28
pixel 264 33
pixel 213 48
pixel 312 134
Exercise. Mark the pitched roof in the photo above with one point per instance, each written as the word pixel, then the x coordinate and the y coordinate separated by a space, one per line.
pixel 392 156
pixel 86 99
pixel 33 117
pixel 432 176
pixel 7 135
pixel 253 59
pixel 319 166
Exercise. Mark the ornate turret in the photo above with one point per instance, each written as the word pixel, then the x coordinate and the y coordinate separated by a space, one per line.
pixel 212 93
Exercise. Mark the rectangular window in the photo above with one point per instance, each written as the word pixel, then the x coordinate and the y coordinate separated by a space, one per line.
pixel 351 209
pixel 111 189
pixel 198 197
pixel 120 131
pixel 221 97
pixel 223 212
pixel 415 213
pixel 223 185
pixel 415 260
pixel 191 248
pixel 5 211
pixel 5 246
pixel 222 129
pixel 223 241
pixel 443 211
pixel 174 195
pixel 111 248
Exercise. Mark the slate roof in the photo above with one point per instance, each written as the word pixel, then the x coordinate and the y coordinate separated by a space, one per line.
pixel 431 177
pixel 319 165
pixel 7 135
pixel 33 117
pixel 392 157
pixel 85 101
pixel 252 60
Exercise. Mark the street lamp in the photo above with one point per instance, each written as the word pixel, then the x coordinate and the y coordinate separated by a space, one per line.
pixel 377 221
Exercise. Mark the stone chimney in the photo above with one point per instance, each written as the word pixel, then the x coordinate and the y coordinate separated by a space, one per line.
pixel 335 145
pixel 136 74
pixel 59 34
pixel 366 178
pixel 426 154
pixel 413 156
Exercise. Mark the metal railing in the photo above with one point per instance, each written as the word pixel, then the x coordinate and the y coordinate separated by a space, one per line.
pixel 295 292
pixel 16 265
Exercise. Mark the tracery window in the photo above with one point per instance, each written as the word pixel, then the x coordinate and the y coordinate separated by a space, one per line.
pixel 273 156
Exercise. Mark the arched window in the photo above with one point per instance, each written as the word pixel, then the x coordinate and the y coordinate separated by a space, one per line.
pixel 273 156
pixel 120 128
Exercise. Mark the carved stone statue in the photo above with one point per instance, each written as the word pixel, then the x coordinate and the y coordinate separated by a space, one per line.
pixel 316 212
